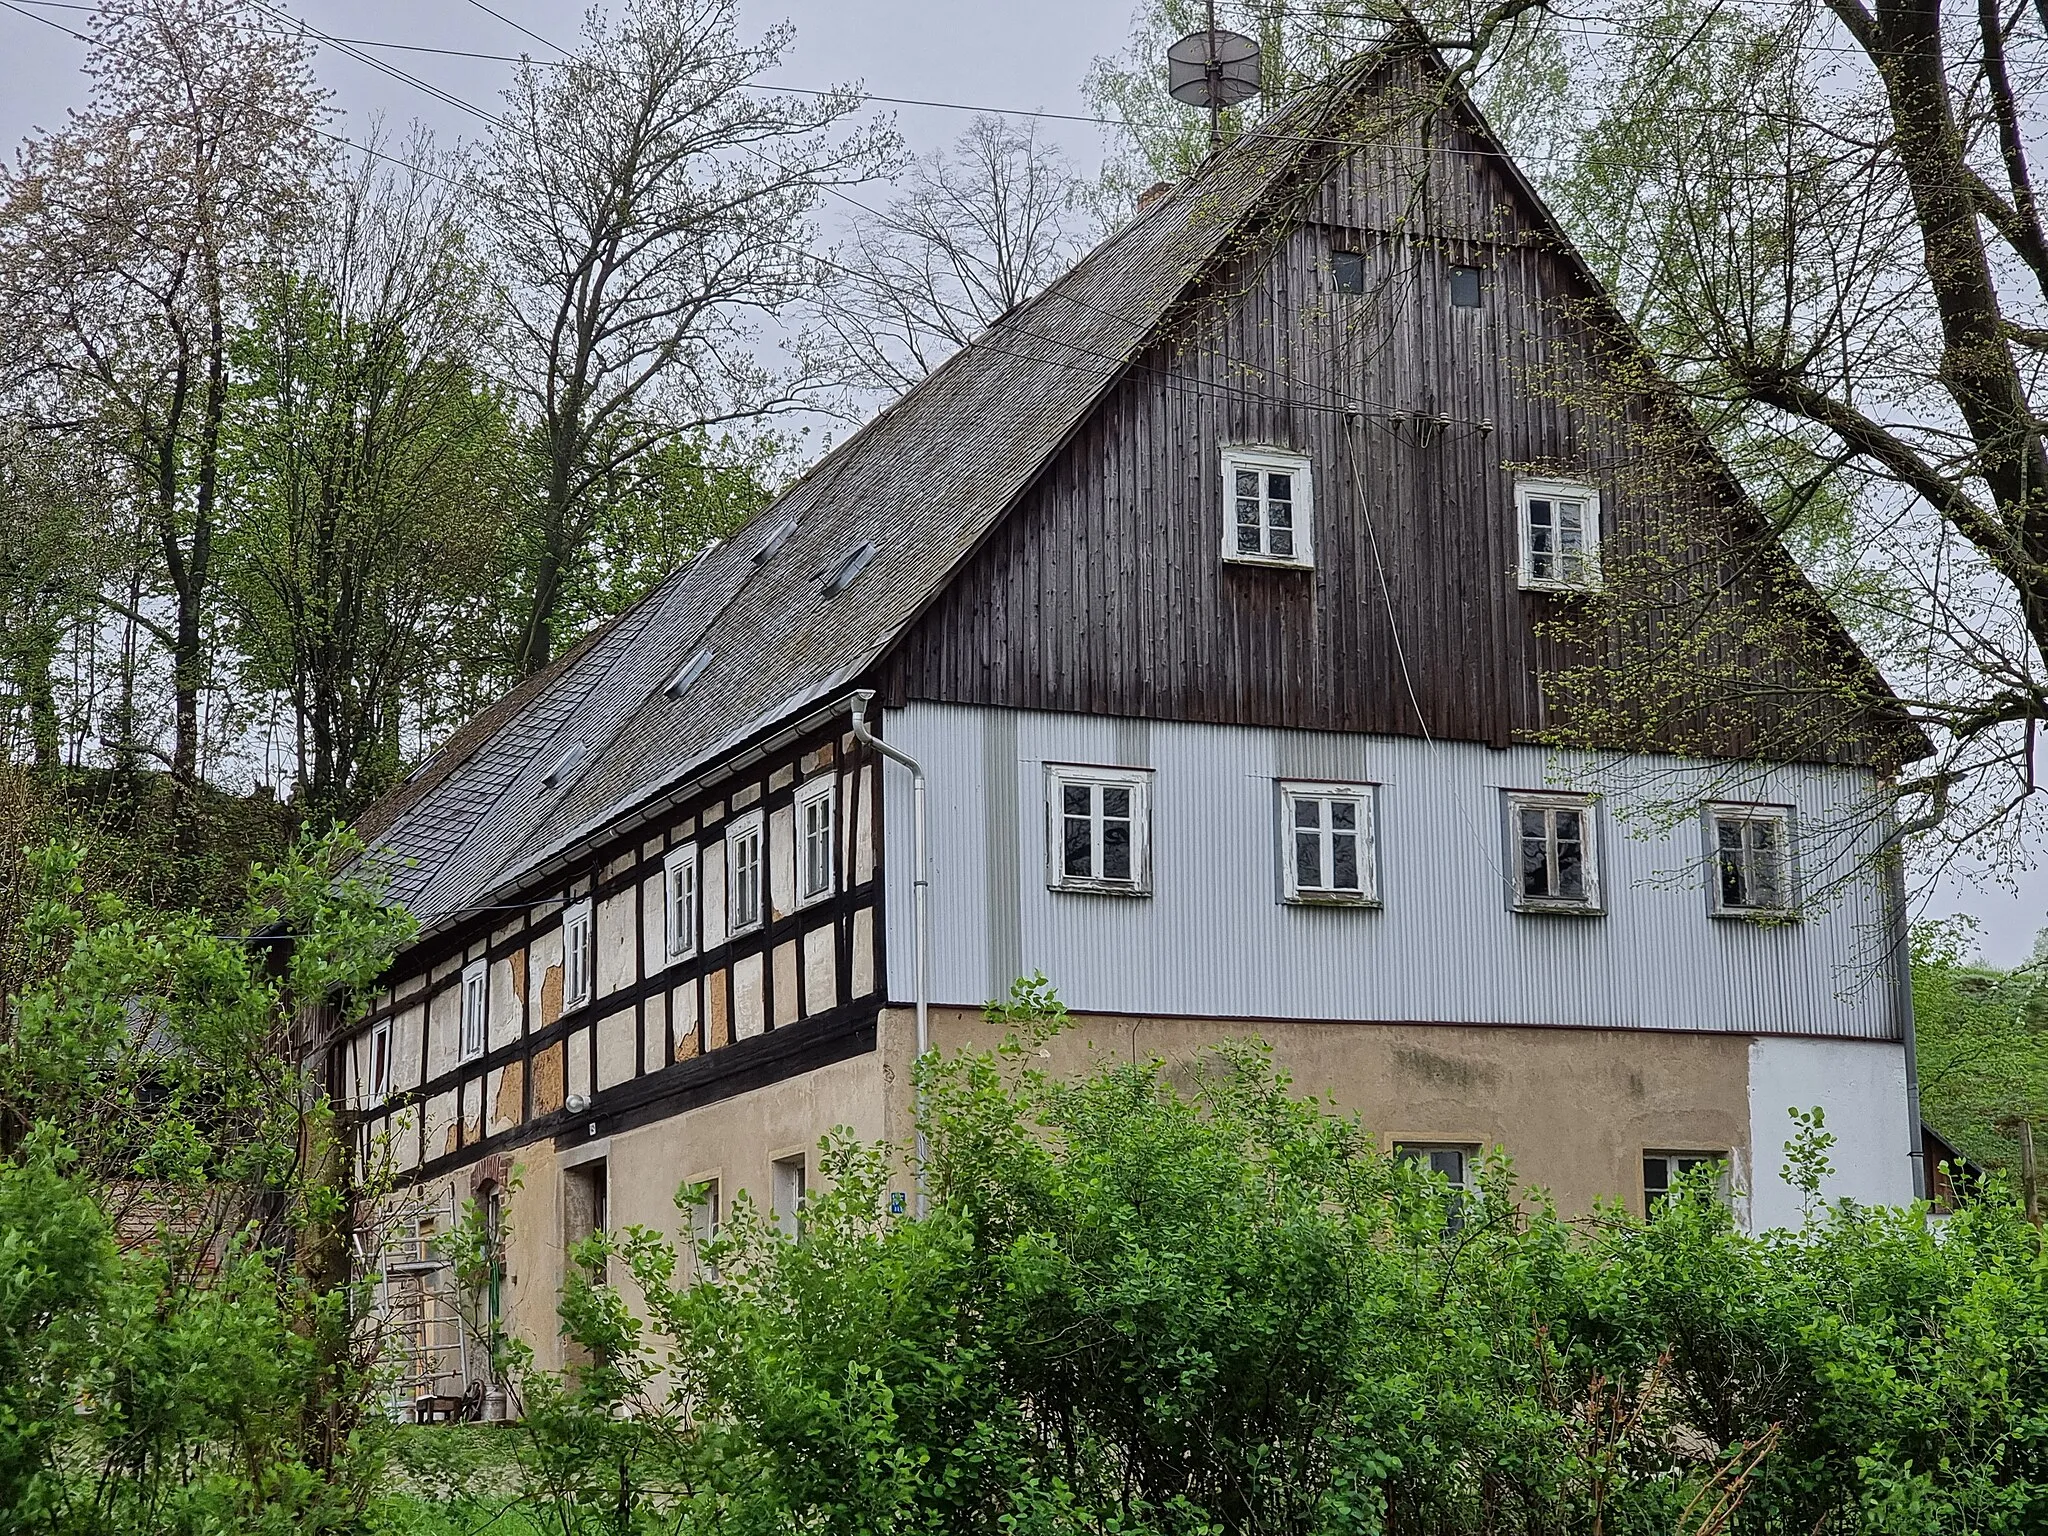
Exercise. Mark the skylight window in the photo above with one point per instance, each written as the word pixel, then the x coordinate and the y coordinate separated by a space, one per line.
pixel 562 768
pixel 687 675
pixel 850 569
pixel 775 540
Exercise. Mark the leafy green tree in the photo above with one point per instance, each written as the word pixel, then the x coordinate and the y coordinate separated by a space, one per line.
pixel 179 1346
pixel 1982 1039
pixel 368 462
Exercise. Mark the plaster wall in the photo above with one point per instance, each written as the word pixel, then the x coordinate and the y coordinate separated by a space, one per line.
pixel 1860 1085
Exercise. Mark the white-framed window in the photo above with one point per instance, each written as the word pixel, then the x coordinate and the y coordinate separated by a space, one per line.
pixel 679 901
pixel 1098 829
pixel 744 887
pixel 578 954
pixel 1553 855
pixel 816 863
pixel 1750 869
pixel 789 1194
pixel 707 1217
pixel 1326 842
pixel 1663 1171
pixel 476 1003
pixel 378 1087
pixel 1560 525
pixel 1268 507
pixel 1449 1162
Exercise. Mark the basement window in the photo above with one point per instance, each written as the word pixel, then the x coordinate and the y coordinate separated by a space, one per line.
pixel 743 849
pixel 789 1195
pixel 1267 507
pixel 476 1001
pixel 1560 525
pixel 1751 870
pixel 1552 853
pixel 1452 1164
pixel 1664 1174
pixel 1326 843
pixel 577 954
pixel 679 901
pixel 815 864
pixel 1098 830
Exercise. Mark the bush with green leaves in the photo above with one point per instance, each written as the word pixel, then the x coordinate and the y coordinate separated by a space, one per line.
pixel 1184 1300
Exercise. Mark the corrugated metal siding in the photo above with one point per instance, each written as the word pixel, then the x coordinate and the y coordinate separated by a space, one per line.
pixel 1214 941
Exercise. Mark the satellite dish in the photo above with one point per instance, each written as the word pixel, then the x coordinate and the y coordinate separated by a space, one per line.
pixel 1213 69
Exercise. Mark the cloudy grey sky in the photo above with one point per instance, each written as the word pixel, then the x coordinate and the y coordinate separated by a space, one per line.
pixel 978 53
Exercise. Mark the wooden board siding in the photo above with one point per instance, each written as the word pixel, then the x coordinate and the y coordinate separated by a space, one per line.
pixel 655 1035
pixel 1104 592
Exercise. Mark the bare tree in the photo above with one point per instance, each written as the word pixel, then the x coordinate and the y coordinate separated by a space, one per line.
pixel 650 208
pixel 124 238
pixel 974 232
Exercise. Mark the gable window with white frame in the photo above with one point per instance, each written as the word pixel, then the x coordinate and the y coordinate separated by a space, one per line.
pixel 744 840
pixel 1751 872
pixel 1553 854
pixel 578 954
pixel 1268 507
pixel 679 887
pixel 476 994
pixel 1326 843
pixel 1098 824
pixel 815 846
pixel 1560 525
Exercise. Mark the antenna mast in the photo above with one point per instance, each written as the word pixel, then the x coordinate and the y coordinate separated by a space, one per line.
pixel 1215 96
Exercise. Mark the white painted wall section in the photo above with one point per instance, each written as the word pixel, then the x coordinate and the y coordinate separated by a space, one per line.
pixel 1861 1086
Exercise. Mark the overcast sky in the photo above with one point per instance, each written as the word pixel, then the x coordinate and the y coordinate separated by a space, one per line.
pixel 977 53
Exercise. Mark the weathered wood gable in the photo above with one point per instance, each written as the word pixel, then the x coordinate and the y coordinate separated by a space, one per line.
pixel 1104 591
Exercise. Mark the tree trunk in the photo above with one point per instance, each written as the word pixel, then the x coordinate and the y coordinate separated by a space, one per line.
pixel 1977 366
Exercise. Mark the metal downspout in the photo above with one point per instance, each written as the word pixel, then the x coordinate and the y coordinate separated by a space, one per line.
pixel 920 941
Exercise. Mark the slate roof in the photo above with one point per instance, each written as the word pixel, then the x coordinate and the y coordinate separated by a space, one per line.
pixel 922 483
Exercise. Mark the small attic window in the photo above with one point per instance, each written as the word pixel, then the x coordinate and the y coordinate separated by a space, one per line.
pixel 849 570
pixel 1347 271
pixel 688 673
pixel 775 540
pixel 562 767
pixel 1465 287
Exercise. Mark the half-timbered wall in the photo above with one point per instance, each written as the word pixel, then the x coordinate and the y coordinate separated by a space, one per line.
pixel 655 1036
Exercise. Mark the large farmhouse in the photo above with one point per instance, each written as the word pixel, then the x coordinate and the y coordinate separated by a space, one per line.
pixel 1214 592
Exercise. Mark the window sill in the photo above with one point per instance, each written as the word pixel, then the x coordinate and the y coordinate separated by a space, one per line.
pixel 1760 917
pixel 1560 908
pixel 1560 588
pixel 1271 562
pixel 1098 888
pixel 1329 899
